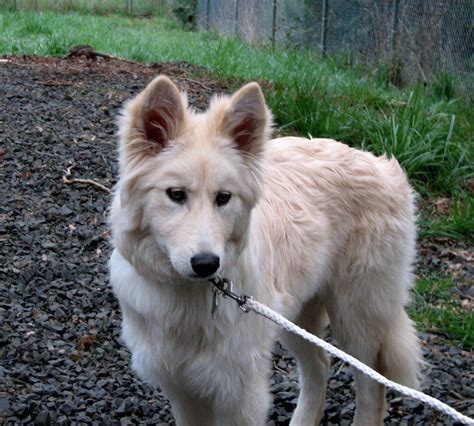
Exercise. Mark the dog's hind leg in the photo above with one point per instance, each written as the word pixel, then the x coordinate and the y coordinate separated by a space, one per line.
pixel 360 339
pixel 396 357
pixel 313 365
pixel 369 322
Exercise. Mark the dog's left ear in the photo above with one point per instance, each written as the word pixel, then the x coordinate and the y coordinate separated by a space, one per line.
pixel 248 120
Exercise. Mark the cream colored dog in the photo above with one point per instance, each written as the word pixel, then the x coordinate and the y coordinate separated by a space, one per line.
pixel 312 228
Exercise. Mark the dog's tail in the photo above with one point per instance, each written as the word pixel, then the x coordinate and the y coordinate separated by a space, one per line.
pixel 400 354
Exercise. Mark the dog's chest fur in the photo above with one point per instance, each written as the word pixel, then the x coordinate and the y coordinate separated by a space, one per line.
pixel 174 339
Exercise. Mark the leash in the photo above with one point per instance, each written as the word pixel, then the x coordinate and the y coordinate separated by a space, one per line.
pixel 224 287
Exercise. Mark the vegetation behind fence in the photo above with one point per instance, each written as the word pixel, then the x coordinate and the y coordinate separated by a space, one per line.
pixel 404 40
pixel 408 40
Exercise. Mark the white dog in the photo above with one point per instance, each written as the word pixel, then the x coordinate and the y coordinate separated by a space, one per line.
pixel 312 228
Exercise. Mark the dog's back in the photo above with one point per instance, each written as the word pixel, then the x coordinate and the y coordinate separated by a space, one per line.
pixel 340 226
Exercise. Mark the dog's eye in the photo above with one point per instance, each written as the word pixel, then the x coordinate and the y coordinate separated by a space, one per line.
pixel 223 198
pixel 178 195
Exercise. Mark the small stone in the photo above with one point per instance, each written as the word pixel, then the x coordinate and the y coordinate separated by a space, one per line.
pixel 21 410
pixel 4 407
pixel 43 418
pixel 102 382
pixel 74 356
pixel 396 401
pixel 66 408
pixel 62 420
pixel 123 408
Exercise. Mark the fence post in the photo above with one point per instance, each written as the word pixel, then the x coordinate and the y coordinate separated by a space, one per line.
pixel 274 22
pixel 394 35
pixel 208 9
pixel 236 17
pixel 324 27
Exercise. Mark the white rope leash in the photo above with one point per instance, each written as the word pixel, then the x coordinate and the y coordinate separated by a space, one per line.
pixel 266 312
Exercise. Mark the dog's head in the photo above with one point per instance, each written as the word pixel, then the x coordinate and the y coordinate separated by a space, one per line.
pixel 189 180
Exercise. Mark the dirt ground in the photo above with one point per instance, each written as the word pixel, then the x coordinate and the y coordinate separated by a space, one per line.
pixel 62 360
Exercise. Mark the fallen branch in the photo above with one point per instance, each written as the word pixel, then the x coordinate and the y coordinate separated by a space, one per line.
pixel 86 182
pixel 67 181
pixel 86 51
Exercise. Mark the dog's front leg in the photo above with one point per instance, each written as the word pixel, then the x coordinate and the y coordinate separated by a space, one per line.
pixel 248 403
pixel 189 411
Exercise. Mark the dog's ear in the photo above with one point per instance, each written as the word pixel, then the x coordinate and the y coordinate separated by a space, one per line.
pixel 153 118
pixel 248 120
pixel 161 112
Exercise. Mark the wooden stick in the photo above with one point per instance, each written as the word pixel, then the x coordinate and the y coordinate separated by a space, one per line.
pixel 67 181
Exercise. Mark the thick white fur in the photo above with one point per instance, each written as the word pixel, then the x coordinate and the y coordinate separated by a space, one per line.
pixel 314 229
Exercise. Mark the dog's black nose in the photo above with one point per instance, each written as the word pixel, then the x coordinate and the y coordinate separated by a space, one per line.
pixel 205 264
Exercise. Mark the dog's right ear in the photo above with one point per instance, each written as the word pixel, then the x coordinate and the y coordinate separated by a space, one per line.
pixel 156 116
pixel 161 112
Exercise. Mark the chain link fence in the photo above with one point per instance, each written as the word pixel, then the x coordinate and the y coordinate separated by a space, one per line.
pixel 409 40
pixel 412 39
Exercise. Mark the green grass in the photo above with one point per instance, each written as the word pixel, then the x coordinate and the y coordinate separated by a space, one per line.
pixel 458 224
pixel 428 130
pixel 136 7
pixel 435 308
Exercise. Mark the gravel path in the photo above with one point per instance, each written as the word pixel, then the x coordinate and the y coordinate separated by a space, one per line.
pixel 62 360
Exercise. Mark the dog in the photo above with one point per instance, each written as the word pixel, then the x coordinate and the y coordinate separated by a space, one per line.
pixel 315 229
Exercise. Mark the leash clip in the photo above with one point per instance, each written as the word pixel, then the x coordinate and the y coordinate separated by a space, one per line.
pixel 224 287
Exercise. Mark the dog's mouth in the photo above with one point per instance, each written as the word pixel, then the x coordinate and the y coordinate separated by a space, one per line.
pixel 195 277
